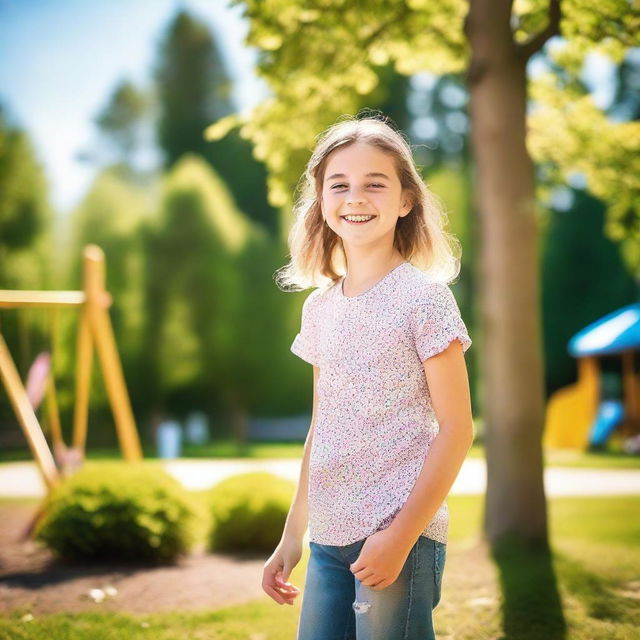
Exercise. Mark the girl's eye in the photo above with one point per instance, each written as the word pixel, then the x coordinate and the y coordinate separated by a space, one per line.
pixel 336 186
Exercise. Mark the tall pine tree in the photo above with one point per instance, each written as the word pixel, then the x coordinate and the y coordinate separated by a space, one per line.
pixel 193 88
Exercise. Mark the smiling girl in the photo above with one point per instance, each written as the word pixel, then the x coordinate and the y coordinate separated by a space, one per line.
pixel 391 422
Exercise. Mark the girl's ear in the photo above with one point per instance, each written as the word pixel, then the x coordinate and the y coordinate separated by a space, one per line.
pixel 407 204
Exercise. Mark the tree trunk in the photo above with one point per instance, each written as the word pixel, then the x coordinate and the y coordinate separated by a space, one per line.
pixel 512 369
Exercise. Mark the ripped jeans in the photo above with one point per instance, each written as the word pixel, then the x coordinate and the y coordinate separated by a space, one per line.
pixel 337 606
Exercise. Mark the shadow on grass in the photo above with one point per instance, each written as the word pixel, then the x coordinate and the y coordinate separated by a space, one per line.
pixel 596 593
pixel 531 605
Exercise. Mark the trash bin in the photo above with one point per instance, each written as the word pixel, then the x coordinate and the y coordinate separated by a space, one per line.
pixel 169 439
pixel 197 428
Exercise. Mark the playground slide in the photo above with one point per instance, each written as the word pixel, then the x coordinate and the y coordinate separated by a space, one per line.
pixel 610 414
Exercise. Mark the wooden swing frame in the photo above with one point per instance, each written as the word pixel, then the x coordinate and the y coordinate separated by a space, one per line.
pixel 94 328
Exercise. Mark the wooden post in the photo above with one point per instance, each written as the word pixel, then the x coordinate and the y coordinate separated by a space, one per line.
pixel 27 418
pixel 84 359
pixel 53 413
pixel 97 302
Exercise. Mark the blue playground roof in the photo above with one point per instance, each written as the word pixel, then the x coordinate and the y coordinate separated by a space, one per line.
pixel 613 333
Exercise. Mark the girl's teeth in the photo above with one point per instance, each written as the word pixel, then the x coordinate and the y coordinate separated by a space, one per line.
pixel 359 219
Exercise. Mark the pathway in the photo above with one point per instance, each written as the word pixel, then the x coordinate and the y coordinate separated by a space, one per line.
pixel 21 479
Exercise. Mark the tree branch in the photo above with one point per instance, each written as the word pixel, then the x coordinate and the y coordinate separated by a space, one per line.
pixel 536 42
pixel 372 37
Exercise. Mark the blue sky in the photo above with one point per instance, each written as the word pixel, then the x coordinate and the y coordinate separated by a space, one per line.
pixel 60 60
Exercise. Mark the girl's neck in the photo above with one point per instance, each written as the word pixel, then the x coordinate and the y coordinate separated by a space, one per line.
pixel 367 271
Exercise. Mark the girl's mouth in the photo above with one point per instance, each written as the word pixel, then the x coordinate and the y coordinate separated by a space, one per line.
pixel 357 219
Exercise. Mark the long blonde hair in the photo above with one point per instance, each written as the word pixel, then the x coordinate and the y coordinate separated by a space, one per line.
pixel 317 254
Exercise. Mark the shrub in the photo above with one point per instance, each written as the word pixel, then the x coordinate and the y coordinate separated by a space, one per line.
pixel 122 511
pixel 249 511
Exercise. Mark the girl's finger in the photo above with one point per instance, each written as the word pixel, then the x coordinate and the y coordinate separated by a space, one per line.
pixel 286 585
pixel 274 594
pixel 287 590
pixel 287 598
pixel 364 574
pixel 287 595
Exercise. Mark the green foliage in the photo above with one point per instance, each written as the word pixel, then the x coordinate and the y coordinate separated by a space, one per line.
pixel 563 135
pixel 121 511
pixel 25 216
pixel 607 26
pixel 321 62
pixel 193 175
pixel 120 121
pixel 191 280
pixel 315 78
pixel 249 511
pixel 110 215
pixel 194 87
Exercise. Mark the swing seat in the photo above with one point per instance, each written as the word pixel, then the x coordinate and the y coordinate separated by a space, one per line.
pixel 37 379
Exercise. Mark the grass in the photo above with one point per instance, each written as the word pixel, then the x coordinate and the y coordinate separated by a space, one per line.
pixel 226 449
pixel 594 460
pixel 587 589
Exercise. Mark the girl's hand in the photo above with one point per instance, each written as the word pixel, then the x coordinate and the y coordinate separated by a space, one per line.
pixel 380 561
pixel 278 568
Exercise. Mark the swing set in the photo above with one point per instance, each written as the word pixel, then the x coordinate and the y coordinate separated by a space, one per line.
pixel 94 330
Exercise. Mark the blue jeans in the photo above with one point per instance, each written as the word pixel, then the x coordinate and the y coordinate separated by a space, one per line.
pixel 337 606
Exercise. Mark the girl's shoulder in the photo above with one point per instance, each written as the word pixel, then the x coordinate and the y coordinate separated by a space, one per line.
pixel 317 295
pixel 423 287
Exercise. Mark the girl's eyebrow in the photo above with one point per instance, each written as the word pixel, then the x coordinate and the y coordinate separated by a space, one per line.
pixel 373 174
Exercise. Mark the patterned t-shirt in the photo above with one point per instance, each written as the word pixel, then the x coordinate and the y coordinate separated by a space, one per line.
pixel 374 418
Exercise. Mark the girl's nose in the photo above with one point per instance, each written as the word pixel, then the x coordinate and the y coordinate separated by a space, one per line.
pixel 355 199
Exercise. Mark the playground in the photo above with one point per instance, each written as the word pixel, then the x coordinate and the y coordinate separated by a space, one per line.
pixel 174 208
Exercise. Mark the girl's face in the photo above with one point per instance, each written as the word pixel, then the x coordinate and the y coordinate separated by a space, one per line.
pixel 361 180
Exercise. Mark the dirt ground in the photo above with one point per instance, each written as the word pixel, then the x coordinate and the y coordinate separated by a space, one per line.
pixel 33 581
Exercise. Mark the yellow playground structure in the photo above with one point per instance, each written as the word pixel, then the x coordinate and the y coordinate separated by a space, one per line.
pixel 584 415
pixel 94 328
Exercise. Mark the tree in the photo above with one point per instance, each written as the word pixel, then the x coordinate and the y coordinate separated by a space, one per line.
pixel 193 87
pixel 320 60
pixel 25 214
pixel 121 124
pixel 26 253
pixel 208 277
pixel 111 215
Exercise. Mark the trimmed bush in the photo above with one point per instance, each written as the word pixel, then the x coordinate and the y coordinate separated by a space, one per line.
pixel 249 511
pixel 120 511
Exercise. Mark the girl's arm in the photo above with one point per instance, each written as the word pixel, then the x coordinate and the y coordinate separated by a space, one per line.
pixel 448 384
pixel 298 517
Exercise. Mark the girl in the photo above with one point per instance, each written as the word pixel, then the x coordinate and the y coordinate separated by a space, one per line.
pixel 391 421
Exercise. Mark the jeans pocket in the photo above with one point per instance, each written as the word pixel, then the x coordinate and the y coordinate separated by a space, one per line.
pixel 439 558
pixel 350 552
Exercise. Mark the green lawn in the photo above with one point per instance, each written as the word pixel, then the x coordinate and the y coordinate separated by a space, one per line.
pixel 589 589
pixel 610 459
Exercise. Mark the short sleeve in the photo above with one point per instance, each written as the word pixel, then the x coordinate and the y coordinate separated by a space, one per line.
pixel 305 344
pixel 437 322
